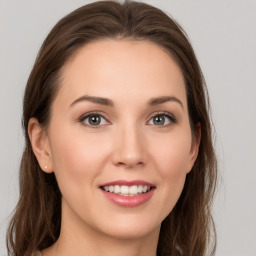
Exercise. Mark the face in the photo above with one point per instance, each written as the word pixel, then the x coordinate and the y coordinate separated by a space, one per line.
pixel 119 139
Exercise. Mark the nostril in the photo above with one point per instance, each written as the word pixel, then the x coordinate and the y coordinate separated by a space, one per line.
pixel 130 164
pixel 128 151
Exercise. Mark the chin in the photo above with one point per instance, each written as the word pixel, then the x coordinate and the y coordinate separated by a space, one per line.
pixel 129 234
pixel 130 228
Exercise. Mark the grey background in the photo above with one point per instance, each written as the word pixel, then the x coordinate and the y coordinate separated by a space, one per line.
pixel 223 35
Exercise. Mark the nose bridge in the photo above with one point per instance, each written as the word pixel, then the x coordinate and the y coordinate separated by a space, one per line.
pixel 129 145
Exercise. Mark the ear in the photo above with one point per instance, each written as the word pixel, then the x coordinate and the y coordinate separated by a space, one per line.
pixel 40 145
pixel 196 139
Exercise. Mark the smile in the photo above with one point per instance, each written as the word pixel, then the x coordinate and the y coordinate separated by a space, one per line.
pixel 124 190
pixel 128 193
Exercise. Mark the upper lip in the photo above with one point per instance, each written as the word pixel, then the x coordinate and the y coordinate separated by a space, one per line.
pixel 128 183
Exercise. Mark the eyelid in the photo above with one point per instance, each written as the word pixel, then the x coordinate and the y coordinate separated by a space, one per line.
pixel 170 116
pixel 93 113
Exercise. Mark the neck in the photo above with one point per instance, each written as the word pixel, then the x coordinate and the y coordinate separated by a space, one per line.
pixel 106 247
pixel 100 245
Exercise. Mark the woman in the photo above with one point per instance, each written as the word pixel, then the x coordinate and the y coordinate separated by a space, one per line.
pixel 119 157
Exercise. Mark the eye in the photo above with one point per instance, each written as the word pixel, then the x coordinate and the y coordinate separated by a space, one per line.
pixel 94 120
pixel 162 119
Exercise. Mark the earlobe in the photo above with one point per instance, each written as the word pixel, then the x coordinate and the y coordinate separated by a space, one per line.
pixel 40 145
pixel 195 146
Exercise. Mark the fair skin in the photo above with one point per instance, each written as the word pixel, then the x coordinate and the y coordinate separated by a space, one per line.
pixel 140 130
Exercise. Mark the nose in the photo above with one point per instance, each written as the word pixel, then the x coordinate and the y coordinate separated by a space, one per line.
pixel 129 147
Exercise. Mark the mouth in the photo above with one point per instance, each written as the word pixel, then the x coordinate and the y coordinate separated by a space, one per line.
pixel 125 190
pixel 128 193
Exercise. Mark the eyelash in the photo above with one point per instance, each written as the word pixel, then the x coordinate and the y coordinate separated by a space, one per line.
pixel 93 114
pixel 170 117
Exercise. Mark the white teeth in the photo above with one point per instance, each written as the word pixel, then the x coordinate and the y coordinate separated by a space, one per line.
pixel 124 190
pixel 117 189
pixel 145 188
pixel 127 190
pixel 133 190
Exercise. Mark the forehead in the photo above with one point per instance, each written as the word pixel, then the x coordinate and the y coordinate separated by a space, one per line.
pixel 121 68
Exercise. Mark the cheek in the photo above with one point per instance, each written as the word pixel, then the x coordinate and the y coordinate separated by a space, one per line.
pixel 173 154
pixel 77 159
pixel 171 161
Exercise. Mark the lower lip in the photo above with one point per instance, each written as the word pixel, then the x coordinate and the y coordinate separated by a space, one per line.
pixel 129 201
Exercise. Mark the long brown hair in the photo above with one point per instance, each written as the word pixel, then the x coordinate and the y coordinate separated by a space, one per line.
pixel 188 229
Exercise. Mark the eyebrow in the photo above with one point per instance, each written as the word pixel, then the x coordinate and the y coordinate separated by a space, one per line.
pixel 164 99
pixel 108 102
pixel 97 100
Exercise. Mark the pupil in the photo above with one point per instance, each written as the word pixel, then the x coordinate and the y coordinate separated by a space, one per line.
pixel 94 120
pixel 159 120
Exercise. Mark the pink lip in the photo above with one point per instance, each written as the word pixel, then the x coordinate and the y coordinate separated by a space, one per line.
pixel 128 183
pixel 129 201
